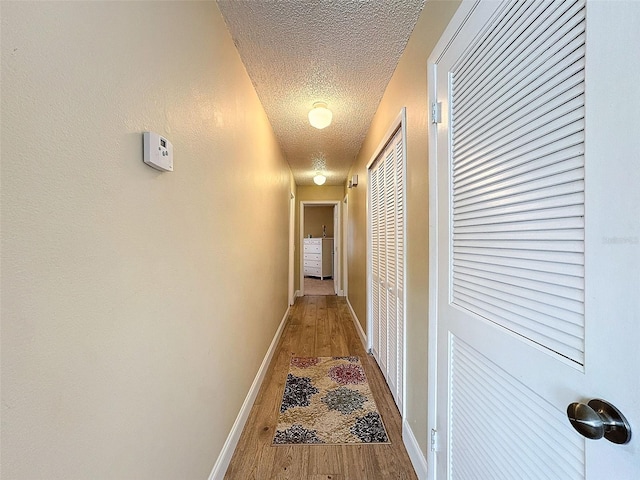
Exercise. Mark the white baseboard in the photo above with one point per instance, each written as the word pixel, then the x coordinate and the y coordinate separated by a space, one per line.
pixel 341 293
pixel 413 449
pixel 298 293
pixel 222 463
pixel 361 334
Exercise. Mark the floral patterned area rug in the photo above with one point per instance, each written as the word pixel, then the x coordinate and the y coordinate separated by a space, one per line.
pixel 327 400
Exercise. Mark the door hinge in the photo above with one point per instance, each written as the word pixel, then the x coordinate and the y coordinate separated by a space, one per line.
pixel 434 440
pixel 436 112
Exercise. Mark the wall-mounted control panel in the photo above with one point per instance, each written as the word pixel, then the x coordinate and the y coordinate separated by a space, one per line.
pixel 158 152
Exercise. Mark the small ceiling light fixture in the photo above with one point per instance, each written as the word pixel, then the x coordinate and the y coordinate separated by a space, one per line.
pixel 319 179
pixel 320 116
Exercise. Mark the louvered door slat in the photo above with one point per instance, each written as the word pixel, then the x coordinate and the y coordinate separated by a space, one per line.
pixel 569 258
pixel 568 309
pixel 391 256
pixel 522 225
pixel 483 62
pixel 512 108
pixel 558 188
pixel 555 319
pixel 400 189
pixel 557 142
pixel 554 247
pixel 503 132
pixel 375 264
pixel 517 113
pixel 569 346
pixel 559 161
pixel 537 131
pixel 382 286
pixel 550 278
pixel 525 213
pixel 576 270
pixel 500 95
pixel 507 278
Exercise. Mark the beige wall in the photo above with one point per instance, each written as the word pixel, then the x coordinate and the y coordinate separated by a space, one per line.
pixel 331 193
pixel 128 344
pixel 408 88
pixel 315 218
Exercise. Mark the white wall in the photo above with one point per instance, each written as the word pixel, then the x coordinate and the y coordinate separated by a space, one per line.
pixel 128 343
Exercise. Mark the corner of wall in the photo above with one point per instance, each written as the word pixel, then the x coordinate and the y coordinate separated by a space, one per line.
pixel 413 449
pixel 358 325
pixel 224 458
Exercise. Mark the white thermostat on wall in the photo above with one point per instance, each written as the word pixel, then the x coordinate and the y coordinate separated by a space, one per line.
pixel 158 152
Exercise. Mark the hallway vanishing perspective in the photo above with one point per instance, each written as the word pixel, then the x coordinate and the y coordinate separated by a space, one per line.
pixel 318 326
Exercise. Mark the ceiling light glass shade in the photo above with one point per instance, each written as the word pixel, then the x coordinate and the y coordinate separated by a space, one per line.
pixel 319 179
pixel 320 116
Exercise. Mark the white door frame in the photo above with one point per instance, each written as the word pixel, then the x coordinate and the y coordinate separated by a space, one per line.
pixel 465 9
pixel 336 237
pixel 432 347
pixel 292 248
pixel 344 291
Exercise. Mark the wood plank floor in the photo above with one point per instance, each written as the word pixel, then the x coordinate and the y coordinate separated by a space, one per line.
pixel 317 326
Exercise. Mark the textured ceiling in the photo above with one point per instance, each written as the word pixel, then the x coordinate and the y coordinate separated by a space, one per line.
pixel 341 52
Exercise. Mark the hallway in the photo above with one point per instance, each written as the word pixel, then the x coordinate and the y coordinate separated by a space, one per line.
pixel 317 326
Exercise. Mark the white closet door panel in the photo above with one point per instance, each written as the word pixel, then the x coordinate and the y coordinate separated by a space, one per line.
pixel 491 69
pixel 392 266
pixel 375 259
pixel 384 268
pixel 518 174
pixel 496 443
pixel 387 244
pixel 400 238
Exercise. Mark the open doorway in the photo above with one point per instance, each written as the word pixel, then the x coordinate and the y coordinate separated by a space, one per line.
pixel 319 247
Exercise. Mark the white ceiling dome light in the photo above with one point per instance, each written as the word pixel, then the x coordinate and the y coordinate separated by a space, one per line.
pixel 320 116
pixel 319 179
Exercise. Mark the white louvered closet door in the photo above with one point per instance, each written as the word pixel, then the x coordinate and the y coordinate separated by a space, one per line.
pixel 387 256
pixel 378 263
pixel 375 260
pixel 528 192
pixel 382 285
pixel 400 191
